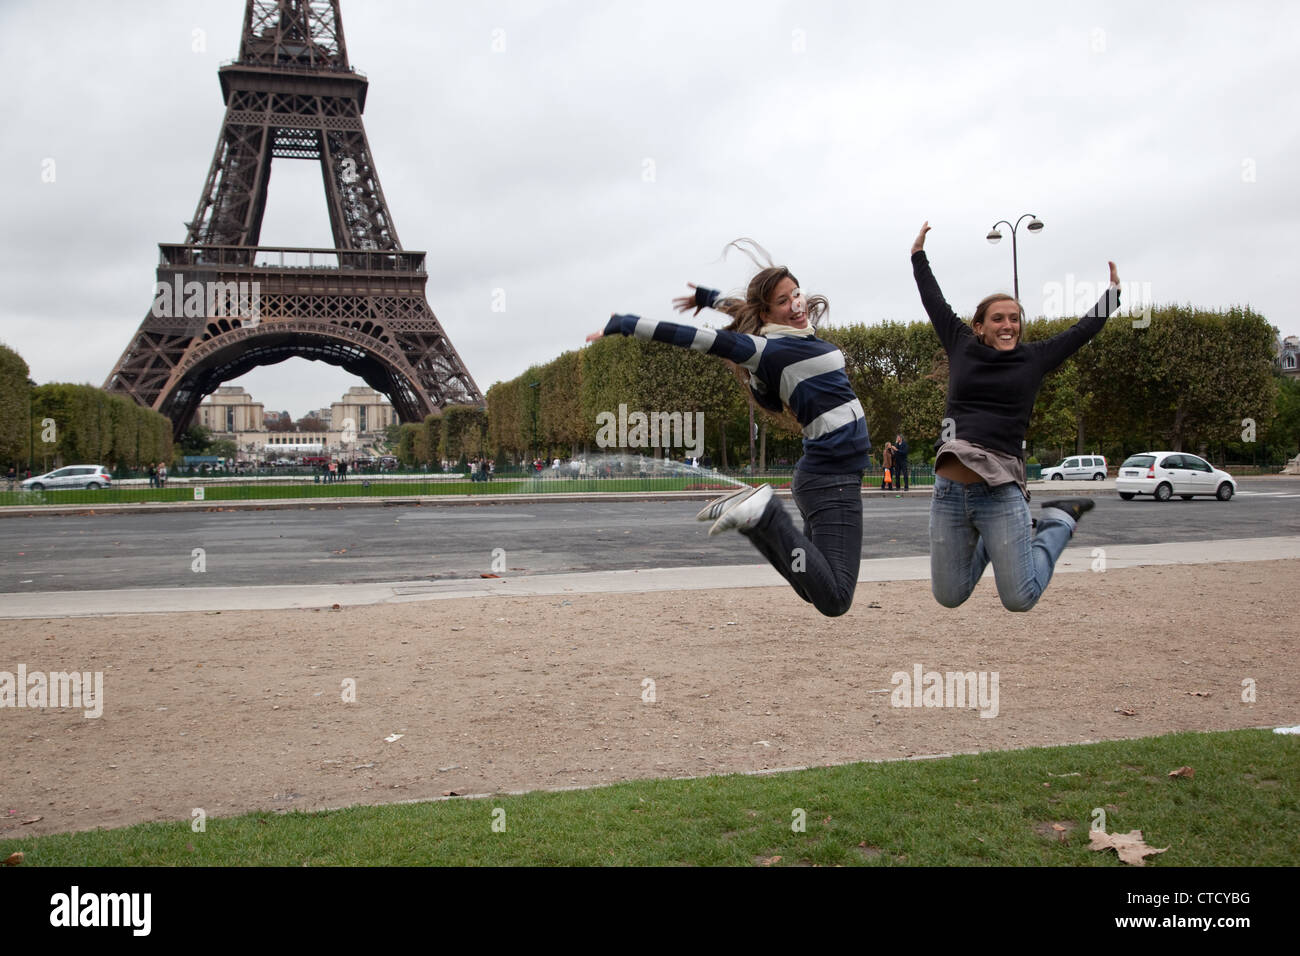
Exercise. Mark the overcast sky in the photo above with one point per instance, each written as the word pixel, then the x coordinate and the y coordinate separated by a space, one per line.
pixel 591 157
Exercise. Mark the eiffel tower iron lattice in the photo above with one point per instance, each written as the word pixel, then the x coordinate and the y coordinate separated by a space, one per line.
pixel 225 305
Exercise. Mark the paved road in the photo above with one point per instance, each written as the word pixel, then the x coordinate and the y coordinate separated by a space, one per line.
pixel 336 546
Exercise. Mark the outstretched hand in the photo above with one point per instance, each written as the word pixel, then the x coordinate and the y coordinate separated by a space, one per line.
pixel 687 302
pixel 919 242
pixel 1114 274
pixel 601 334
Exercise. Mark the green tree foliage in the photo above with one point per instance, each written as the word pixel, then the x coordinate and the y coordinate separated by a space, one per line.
pixel 407 439
pixel 505 409
pixel 86 425
pixel 195 441
pixel 1186 380
pixel 560 420
pixel 464 432
pixel 1283 432
pixel 223 448
pixel 15 397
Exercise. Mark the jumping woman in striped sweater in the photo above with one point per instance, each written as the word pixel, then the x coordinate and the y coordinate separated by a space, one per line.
pixel 772 342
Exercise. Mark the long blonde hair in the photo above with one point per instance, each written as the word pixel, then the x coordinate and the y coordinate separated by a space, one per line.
pixel 747 313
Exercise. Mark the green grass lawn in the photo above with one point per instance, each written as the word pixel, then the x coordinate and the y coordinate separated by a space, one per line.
pixel 1240 809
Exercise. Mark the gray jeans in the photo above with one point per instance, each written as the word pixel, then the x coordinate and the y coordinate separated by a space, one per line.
pixel 821 563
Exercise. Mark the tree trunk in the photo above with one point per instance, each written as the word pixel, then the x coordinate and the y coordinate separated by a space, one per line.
pixel 722 449
pixel 762 447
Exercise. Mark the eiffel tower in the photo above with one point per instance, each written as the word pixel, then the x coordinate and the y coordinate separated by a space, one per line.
pixel 226 305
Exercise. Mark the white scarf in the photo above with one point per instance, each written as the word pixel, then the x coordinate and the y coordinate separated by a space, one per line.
pixel 776 329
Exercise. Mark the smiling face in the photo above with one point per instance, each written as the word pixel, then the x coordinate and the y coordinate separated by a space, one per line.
pixel 787 305
pixel 997 323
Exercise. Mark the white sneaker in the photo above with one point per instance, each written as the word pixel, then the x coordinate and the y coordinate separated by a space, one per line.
pixel 745 514
pixel 714 509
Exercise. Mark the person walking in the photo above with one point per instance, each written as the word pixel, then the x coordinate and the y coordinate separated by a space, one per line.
pixel 902 481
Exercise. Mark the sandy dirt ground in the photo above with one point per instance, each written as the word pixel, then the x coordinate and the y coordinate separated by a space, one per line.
pixel 233 712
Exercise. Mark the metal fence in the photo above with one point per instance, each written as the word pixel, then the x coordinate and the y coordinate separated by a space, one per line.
pixel 648 476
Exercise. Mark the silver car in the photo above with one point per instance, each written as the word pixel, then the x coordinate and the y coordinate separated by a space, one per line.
pixel 1078 468
pixel 1163 474
pixel 71 476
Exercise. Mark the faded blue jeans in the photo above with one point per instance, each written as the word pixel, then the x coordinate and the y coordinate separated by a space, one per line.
pixel 822 563
pixel 973 524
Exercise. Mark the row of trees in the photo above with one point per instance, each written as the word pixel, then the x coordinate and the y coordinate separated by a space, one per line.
pixel 1188 378
pixel 49 425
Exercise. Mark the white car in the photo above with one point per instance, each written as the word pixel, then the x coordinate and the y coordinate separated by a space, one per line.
pixel 1163 474
pixel 1078 468
pixel 73 476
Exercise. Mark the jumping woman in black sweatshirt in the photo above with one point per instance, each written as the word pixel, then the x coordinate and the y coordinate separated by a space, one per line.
pixel 980 509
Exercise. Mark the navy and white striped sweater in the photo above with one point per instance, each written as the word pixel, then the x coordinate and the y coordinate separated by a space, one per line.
pixel 799 370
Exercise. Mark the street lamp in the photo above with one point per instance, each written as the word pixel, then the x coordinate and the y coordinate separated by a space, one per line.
pixel 1035 225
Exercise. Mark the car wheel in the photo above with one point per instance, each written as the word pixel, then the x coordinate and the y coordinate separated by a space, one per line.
pixel 1164 491
pixel 1058 477
pixel 1099 476
pixel 93 486
pixel 1127 495
pixel 1224 493
pixel 37 487
pixel 1186 497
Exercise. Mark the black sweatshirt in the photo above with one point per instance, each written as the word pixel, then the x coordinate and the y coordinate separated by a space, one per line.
pixel 991 393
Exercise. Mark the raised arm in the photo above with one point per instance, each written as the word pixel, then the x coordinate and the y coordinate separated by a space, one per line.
pixel 1052 352
pixel 945 321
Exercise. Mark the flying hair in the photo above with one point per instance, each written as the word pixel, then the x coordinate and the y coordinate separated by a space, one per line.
pixel 747 312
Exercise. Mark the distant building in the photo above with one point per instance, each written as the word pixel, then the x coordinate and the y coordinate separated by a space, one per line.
pixel 1288 356
pixel 369 412
pixel 230 410
pixel 357 420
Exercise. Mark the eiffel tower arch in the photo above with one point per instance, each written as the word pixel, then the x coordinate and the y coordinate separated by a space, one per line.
pixel 226 304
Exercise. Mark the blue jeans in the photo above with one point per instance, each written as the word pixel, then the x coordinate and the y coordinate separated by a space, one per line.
pixel 822 563
pixel 973 524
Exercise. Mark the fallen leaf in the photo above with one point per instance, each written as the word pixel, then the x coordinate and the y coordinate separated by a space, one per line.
pixel 1187 772
pixel 1129 846
pixel 489 575
pixel 768 860
pixel 334 607
pixel 33 820
pixel 1198 693
pixel 1126 712
pixel 450 793
pixel 13 859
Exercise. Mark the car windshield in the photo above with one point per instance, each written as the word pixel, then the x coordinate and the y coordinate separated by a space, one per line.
pixel 1139 461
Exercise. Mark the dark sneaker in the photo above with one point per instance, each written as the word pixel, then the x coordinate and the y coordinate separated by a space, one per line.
pixel 714 509
pixel 1074 507
pixel 745 514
